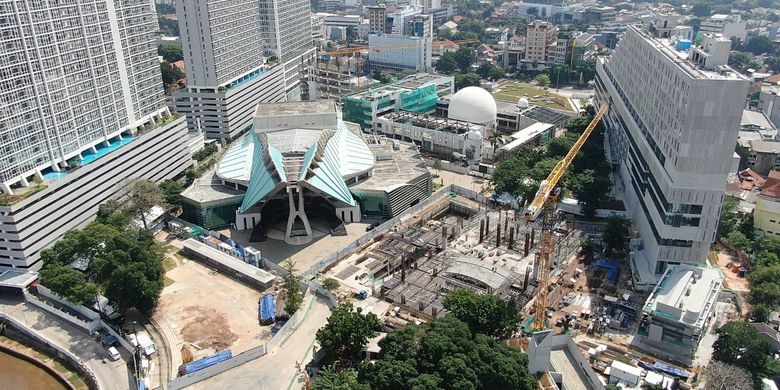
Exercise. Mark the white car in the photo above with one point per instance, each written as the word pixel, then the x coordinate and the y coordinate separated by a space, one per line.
pixel 113 354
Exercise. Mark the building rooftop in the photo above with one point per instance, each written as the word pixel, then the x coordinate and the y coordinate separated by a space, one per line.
pixel 432 122
pixel 762 146
pixel 755 120
pixel 527 134
pixel 396 163
pixel 17 279
pixel 685 294
pixel 210 189
pixel 682 58
pixel 295 108
pixel 771 188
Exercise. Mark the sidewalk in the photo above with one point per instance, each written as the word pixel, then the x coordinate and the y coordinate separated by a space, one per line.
pixel 277 370
pixel 110 375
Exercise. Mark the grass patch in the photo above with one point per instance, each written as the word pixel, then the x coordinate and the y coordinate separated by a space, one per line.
pixel 7 200
pixel 169 264
pixel 167 281
pixel 512 91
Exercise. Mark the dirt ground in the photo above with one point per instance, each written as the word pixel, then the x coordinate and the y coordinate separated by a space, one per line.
pixel 733 281
pixel 209 311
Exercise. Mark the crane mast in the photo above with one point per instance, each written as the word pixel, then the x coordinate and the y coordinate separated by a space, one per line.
pixel 546 200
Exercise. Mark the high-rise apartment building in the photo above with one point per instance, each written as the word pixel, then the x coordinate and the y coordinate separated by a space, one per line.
pixel 239 53
pixel 673 118
pixel 377 18
pixel 541 37
pixel 82 111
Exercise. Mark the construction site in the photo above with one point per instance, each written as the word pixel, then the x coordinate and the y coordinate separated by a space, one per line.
pixel 454 243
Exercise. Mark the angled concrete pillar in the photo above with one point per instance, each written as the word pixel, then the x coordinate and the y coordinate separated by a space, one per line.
pixel 299 212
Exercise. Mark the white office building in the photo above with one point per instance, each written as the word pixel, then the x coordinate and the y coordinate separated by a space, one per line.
pixel 400 52
pixel 82 111
pixel 227 46
pixel 672 124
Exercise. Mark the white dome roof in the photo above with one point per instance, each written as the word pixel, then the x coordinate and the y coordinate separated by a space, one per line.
pixel 522 103
pixel 473 104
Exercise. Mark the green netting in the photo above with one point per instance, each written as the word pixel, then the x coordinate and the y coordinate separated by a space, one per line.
pixel 420 100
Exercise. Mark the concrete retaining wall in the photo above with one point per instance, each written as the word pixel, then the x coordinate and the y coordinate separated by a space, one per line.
pixel 88 327
pixel 28 336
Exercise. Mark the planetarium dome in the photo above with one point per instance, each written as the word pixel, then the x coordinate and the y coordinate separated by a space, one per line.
pixel 474 105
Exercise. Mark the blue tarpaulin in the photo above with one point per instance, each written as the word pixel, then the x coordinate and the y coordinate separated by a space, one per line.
pixel 207 361
pixel 613 270
pixel 268 308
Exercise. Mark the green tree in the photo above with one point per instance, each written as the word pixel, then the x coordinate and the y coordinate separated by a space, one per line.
pixel 171 191
pixel 496 73
pixel 484 69
pixel 773 63
pixel 739 60
pixel 330 284
pixel 613 386
pixel 739 241
pixel 331 379
pixel 69 283
pixel 170 52
pixel 465 58
pixel 701 9
pixel 590 188
pixel 759 313
pixel 765 285
pixel 729 216
pixel 765 259
pixel 740 344
pixel 587 248
pixel 759 45
pixel 347 331
pixel 170 75
pixel 616 234
pixel 445 353
pixel 483 313
pixel 447 63
pixel 142 195
pixel 543 80
pixel 463 80
pixel 111 213
pixel 293 297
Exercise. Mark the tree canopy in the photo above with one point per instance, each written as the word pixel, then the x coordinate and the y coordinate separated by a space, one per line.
pixel 483 313
pixel 331 379
pixel 170 52
pixel 142 195
pixel 465 57
pixel 463 80
pixel 447 63
pixel 740 344
pixel 444 352
pixel 124 266
pixel 293 296
pixel 615 235
pixel 347 331
pixel 759 45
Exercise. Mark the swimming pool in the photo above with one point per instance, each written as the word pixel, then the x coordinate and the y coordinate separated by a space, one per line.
pixel 89 156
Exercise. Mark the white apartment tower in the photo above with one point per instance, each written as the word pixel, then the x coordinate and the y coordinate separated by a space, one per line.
pixel 672 124
pixel 72 76
pixel 227 46
pixel 81 104
pixel 541 37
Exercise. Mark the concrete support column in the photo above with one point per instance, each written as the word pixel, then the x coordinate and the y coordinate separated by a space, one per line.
pixel 299 212
pixel 6 189
pixel 24 182
pixel 93 149
pixel 38 174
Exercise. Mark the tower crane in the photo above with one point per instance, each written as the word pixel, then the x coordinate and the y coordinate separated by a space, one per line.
pixel 546 201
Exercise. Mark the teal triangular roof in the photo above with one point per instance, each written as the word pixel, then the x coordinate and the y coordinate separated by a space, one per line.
pixel 266 175
pixel 323 169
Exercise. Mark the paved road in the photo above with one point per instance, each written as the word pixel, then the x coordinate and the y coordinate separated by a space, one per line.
pixel 110 375
pixel 276 370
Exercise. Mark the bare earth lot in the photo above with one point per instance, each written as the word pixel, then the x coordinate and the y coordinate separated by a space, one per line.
pixel 209 311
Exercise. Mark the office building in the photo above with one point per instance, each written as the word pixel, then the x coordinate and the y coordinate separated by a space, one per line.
pixel 729 26
pixel 415 93
pixel 397 20
pixel 226 47
pixel 377 18
pixel 419 26
pixel 672 124
pixel 77 85
pixel 400 53
pixel 540 41
pixel 605 14
pixel 664 24
pixel 677 312
pixel 559 364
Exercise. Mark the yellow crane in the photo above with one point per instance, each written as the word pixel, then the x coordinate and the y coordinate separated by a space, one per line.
pixel 546 200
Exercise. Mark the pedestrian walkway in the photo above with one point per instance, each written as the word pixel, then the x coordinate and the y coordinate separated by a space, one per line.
pixel 110 375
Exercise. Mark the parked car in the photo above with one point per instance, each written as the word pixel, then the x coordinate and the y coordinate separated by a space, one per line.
pixel 113 354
